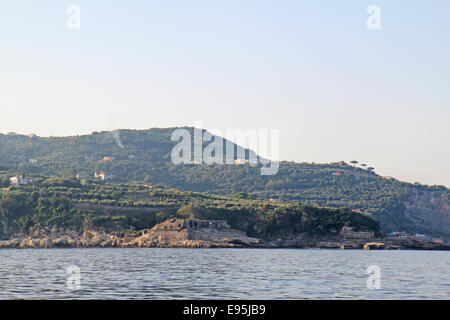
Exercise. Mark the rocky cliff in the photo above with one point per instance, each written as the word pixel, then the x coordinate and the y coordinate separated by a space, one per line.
pixel 183 233
pixel 419 212
pixel 192 233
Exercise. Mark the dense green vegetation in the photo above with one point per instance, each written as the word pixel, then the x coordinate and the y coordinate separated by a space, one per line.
pixel 144 157
pixel 49 203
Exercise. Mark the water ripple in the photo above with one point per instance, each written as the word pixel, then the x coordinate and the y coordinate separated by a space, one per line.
pixel 222 274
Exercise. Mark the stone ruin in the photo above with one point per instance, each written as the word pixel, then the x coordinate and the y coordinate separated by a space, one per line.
pixel 191 224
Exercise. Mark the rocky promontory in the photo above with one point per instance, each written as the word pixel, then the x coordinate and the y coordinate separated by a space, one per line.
pixel 194 233
pixel 179 233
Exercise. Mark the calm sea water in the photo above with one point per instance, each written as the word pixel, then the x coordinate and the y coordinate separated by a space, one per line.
pixel 223 274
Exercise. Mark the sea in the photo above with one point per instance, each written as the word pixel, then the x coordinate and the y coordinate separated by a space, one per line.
pixel 154 273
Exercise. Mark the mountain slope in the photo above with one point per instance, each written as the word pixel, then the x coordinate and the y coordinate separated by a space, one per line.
pixel 69 204
pixel 144 156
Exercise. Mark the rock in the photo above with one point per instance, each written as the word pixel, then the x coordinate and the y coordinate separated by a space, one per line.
pixel 374 246
pixel 193 234
pixel 60 243
pixel 189 233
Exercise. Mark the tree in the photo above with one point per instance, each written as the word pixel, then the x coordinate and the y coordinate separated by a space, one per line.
pixel 242 195
pixel 187 212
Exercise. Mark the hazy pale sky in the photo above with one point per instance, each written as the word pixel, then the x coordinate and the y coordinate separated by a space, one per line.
pixel 335 89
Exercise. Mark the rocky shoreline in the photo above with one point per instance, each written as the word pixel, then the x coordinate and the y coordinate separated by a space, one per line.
pixel 187 233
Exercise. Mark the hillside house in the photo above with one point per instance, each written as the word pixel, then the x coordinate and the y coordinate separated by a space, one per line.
pixel 107 159
pixel 103 176
pixel 422 236
pixel 340 163
pixel 242 161
pixel 20 181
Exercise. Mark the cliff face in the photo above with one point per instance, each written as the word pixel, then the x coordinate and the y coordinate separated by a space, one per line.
pixel 430 210
pixel 183 233
pixel 194 233
pixel 187 233
pixel 419 212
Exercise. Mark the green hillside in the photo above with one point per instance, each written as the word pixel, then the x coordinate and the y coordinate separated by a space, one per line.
pixel 68 203
pixel 144 156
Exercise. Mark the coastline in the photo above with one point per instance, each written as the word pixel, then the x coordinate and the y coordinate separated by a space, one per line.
pixel 187 233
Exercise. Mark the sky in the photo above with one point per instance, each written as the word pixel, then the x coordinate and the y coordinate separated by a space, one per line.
pixel 335 89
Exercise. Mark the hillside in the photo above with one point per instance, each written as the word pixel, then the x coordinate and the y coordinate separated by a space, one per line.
pixel 144 156
pixel 58 203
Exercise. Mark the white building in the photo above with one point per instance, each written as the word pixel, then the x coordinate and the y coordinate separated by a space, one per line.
pixel 20 181
pixel 103 176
